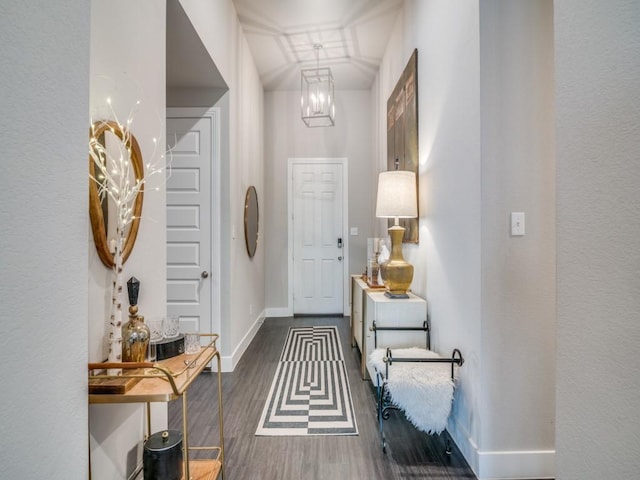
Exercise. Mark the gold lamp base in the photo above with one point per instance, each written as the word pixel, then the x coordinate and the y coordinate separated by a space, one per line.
pixel 396 273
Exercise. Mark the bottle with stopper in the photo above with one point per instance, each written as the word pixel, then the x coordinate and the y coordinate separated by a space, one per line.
pixel 135 334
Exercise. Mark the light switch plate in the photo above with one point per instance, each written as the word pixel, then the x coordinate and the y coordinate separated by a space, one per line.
pixel 354 231
pixel 517 224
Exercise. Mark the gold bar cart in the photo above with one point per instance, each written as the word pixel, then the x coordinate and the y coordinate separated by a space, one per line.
pixel 165 381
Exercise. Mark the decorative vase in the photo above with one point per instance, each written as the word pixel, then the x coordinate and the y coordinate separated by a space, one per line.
pixel 396 273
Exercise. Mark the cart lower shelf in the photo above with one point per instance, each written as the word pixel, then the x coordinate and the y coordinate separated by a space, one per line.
pixel 199 470
pixel 204 469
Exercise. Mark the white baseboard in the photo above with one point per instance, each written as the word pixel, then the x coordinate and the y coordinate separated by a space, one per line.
pixel 532 464
pixel 502 465
pixel 465 443
pixel 279 312
pixel 229 362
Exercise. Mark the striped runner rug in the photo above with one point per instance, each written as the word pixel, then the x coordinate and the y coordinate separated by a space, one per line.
pixel 310 392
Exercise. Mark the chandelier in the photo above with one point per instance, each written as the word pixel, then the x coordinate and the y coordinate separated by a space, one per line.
pixel 317 105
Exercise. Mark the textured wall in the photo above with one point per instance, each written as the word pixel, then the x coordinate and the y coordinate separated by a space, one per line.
pixel 485 88
pixel 518 273
pixel 128 64
pixel 44 61
pixel 447 259
pixel 598 173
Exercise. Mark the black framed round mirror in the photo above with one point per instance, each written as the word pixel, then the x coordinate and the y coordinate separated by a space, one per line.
pixel 251 219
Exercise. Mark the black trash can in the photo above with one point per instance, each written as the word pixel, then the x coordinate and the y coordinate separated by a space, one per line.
pixel 162 458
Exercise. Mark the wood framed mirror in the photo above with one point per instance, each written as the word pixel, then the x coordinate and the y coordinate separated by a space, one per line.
pixel 108 132
pixel 251 220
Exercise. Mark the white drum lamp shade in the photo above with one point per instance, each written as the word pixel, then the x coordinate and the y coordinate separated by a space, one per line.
pixel 397 195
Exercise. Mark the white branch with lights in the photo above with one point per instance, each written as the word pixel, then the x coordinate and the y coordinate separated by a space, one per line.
pixel 113 178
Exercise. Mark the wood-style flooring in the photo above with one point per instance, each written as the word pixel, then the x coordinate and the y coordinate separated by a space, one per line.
pixel 410 454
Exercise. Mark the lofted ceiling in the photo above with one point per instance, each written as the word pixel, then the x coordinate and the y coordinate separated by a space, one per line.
pixel 281 35
pixel 195 70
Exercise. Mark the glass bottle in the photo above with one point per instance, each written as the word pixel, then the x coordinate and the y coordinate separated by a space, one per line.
pixel 135 339
pixel 135 334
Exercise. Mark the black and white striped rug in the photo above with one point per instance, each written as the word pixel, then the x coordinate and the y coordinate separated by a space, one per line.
pixel 310 392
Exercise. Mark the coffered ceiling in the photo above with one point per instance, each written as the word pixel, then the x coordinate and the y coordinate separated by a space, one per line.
pixel 282 34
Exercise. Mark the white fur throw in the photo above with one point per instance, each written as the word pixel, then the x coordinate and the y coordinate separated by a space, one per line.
pixel 423 390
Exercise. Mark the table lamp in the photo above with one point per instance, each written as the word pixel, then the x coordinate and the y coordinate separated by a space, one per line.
pixel 397 198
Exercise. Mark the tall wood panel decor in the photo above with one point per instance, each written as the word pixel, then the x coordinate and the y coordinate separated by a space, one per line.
pixel 402 133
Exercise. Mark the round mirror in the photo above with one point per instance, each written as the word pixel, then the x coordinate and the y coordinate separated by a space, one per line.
pixel 251 217
pixel 101 209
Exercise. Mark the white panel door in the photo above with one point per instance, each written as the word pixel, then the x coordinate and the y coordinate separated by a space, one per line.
pixel 189 223
pixel 317 239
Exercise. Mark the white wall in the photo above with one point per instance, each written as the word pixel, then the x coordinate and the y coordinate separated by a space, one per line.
pixel 243 291
pixel 286 136
pixel 518 273
pixel 598 173
pixel 246 165
pixel 43 209
pixel 128 68
pixel 447 259
pixel 128 64
pixel 485 149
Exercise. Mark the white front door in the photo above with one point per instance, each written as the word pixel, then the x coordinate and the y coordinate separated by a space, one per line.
pixel 189 219
pixel 318 240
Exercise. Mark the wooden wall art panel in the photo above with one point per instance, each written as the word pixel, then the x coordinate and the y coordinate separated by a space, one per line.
pixel 402 133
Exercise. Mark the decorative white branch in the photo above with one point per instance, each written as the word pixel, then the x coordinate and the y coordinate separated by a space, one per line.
pixel 115 180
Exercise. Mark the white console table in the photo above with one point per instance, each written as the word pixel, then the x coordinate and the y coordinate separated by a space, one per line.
pixel 369 305
pixel 358 289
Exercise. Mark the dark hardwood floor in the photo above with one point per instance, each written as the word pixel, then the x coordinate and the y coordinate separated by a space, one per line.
pixel 410 454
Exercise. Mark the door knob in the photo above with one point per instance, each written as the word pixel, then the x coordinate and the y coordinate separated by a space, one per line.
pixel 340 258
pixel 204 274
